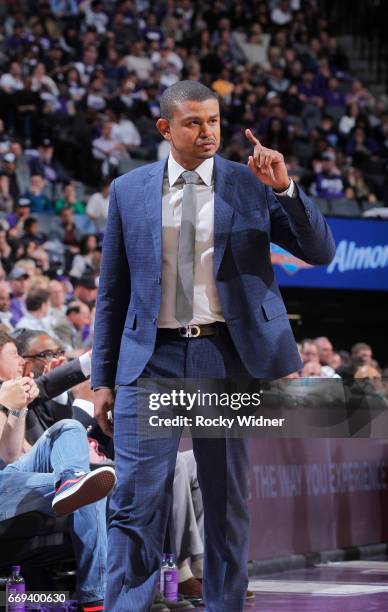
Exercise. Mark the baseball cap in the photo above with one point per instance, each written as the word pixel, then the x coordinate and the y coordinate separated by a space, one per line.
pixel 87 281
pixel 46 142
pixel 10 158
pixel 24 201
pixel 18 273
pixel 328 155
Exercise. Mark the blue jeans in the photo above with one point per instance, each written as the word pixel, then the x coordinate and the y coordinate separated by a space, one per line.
pixel 29 485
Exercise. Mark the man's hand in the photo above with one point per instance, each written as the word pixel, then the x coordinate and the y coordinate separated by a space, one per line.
pixel 268 165
pixel 54 363
pixel 103 403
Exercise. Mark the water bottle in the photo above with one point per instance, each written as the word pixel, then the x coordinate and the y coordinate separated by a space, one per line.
pixel 170 579
pixel 15 587
pixel 160 583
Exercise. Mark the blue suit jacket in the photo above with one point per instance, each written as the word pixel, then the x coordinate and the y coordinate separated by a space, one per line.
pixel 247 217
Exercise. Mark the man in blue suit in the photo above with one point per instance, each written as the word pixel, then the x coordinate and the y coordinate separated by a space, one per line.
pixel 187 289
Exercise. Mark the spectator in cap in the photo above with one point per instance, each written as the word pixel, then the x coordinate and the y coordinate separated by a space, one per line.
pixel 37 307
pixel 47 166
pixel 22 211
pixel 328 181
pixel 20 282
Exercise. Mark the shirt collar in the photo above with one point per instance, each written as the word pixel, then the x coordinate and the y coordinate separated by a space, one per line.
pixel 205 170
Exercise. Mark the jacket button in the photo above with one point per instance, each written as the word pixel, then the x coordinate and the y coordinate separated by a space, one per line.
pixel 154 320
pixel 158 280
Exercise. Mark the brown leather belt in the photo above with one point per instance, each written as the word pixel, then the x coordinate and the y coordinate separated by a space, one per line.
pixel 192 331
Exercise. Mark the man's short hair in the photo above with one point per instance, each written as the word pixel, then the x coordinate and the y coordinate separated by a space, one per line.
pixel 73 308
pixel 36 298
pixel 22 338
pixel 5 339
pixel 182 91
pixel 360 346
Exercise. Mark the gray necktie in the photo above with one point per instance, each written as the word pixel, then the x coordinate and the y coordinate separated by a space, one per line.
pixel 186 247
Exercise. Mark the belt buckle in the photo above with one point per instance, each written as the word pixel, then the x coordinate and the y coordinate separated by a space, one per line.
pixel 190 331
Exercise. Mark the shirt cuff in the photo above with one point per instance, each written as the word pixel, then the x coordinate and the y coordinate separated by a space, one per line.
pixel 290 192
pixel 85 363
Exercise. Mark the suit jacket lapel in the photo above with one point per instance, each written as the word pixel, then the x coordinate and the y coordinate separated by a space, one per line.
pixel 153 193
pixel 223 212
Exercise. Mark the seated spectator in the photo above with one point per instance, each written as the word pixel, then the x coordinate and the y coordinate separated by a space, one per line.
pixel 311 369
pixel 66 231
pixel 10 183
pixel 20 282
pixel 98 203
pixel 336 361
pixel 40 202
pixel 54 377
pixel 138 61
pixel 357 188
pixel 69 200
pixel 95 16
pixel 12 81
pixel 37 307
pixel 70 332
pixel 6 255
pixel 22 211
pixel 361 354
pixel 282 14
pixel 85 289
pixel 6 200
pixel 84 263
pixel 5 306
pixel 31 232
pixel 309 351
pixel 46 165
pixel 332 94
pixel 57 312
pixel 69 487
pixel 360 146
pixel 28 106
pixel 328 181
pixel 107 150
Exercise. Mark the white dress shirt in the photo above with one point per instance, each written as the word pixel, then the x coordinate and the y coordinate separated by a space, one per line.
pixel 206 306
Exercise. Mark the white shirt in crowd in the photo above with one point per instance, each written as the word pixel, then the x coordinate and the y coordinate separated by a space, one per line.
pixel 207 308
pixel 126 132
pixel 97 206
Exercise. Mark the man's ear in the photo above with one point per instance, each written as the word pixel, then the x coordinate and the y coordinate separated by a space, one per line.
pixel 164 128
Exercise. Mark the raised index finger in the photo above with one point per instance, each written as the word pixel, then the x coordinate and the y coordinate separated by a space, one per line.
pixel 252 139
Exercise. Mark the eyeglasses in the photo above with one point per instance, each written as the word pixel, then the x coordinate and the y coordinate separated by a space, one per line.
pixel 46 355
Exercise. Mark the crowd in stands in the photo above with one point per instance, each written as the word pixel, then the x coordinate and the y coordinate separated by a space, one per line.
pixel 80 84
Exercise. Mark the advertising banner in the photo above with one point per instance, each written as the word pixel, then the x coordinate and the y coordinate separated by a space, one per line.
pixel 361 260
